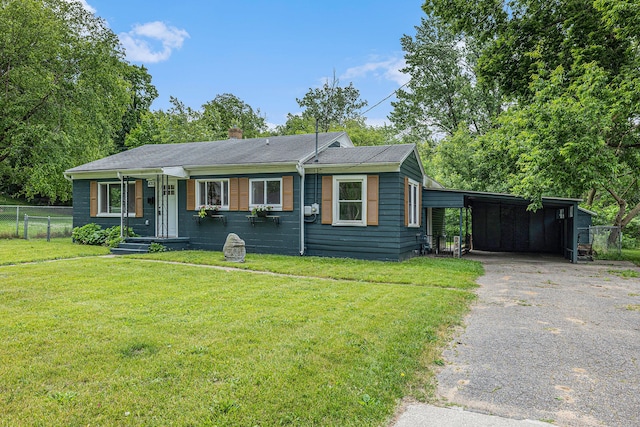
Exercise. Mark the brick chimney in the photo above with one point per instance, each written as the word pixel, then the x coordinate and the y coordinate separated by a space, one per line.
pixel 235 133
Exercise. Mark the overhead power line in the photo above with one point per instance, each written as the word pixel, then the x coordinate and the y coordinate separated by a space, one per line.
pixel 382 100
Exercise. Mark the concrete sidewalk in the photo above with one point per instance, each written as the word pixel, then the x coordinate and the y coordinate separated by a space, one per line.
pixel 422 415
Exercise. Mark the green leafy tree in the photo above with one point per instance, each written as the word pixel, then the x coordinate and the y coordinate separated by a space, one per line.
pixel 226 111
pixel 621 16
pixel 64 93
pixel 297 124
pixel 570 69
pixel 573 141
pixel 177 125
pixel 331 105
pixel 142 94
pixel 518 33
pixel 443 93
pixel 359 132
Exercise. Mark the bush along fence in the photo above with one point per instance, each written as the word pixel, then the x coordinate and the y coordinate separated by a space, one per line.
pixel 35 222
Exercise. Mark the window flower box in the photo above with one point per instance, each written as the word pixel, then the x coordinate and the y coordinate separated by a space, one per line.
pixel 208 210
pixel 261 211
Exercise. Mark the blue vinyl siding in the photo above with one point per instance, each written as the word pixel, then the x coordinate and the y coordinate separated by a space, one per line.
pixel 442 199
pixel 81 209
pixel 390 240
pixel 409 236
pixel 263 237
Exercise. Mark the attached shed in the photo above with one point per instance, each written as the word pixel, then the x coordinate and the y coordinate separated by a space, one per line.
pixel 502 223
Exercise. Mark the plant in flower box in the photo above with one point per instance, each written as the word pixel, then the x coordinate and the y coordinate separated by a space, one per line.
pixel 261 210
pixel 206 210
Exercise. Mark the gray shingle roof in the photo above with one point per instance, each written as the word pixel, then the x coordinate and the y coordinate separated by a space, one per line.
pixel 280 150
pixel 364 155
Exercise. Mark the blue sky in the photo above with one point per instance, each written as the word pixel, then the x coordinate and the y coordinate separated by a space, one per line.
pixel 267 53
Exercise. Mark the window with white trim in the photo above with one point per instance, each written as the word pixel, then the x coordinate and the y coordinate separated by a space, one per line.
pixel 111 199
pixel 212 192
pixel 413 202
pixel 350 200
pixel 266 192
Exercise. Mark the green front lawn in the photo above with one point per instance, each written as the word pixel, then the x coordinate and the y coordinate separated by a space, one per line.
pixel 13 251
pixel 123 341
pixel 441 272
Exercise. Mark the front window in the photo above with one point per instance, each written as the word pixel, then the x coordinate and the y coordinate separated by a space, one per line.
pixel 111 200
pixel 414 208
pixel 266 192
pixel 213 193
pixel 349 200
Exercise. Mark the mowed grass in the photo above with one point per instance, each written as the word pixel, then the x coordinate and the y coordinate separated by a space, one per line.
pixel 441 272
pixel 122 341
pixel 13 251
pixel 632 255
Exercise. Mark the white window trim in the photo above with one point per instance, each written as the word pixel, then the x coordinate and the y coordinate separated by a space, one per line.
pixel 337 179
pixel 101 201
pixel 252 204
pixel 199 202
pixel 414 196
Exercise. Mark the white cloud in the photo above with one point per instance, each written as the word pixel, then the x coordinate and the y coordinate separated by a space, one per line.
pixel 139 42
pixel 389 70
pixel 84 4
pixel 377 122
pixel 87 6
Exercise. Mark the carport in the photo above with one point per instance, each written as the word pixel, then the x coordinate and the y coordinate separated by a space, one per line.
pixel 502 223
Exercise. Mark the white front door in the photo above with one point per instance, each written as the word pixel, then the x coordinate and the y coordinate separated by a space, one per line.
pixel 167 208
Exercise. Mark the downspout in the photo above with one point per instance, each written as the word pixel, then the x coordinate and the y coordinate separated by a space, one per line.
pixel 300 169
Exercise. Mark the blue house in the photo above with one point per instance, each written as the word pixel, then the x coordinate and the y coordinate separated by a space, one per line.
pixel 325 196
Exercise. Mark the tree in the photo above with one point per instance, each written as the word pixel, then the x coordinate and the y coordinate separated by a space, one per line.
pixel 359 132
pixel 226 111
pixel 518 33
pixel 570 69
pixel 573 141
pixel 332 104
pixel 297 124
pixel 443 92
pixel 64 92
pixel 142 94
pixel 177 125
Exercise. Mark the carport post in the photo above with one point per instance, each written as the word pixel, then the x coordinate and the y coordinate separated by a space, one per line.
pixel 574 238
pixel 460 244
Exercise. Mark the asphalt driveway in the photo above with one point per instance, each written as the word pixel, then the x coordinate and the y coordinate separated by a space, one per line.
pixel 548 341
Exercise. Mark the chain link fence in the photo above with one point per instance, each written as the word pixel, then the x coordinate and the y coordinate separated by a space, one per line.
pixel 602 240
pixel 35 222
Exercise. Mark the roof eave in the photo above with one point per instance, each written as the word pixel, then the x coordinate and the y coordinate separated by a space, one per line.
pixel 354 167
pixel 111 173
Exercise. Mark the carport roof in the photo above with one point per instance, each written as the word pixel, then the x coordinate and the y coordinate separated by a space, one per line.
pixel 459 198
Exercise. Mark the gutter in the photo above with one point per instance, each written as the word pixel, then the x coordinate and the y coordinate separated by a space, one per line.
pixel 300 169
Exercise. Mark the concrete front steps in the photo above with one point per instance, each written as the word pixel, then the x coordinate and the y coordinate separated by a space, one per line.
pixel 126 248
pixel 140 245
